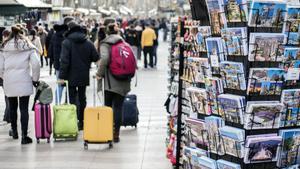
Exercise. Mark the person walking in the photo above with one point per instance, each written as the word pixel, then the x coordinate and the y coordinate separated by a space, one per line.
pixel 155 27
pixel 36 41
pixel 18 55
pixel 148 37
pixel 77 54
pixel 132 39
pixel 139 31
pixel 115 90
pixel 43 36
pixel 54 53
pixel 6 117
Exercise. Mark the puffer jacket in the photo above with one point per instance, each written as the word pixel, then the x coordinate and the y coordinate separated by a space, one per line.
pixel 116 86
pixel 77 55
pixel 18 68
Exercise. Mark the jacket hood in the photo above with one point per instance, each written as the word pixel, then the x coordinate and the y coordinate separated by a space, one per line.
pixel 23 45
pixel 112 39
pixel 77 37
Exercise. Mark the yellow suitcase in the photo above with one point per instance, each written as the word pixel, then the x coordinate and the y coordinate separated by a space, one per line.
pixel 98 125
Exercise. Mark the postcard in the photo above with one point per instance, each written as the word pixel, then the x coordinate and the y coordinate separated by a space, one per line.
pixel 231 108
pixel 191 155
pixel 198 100
pixel 293 38
pixel 217 21
pixel 199 69
pixel 263 116
pixel 297 166
pixel 235 41
pixel 233 76
pixel 290 148
pixel 266 47
pixel 290 115
pixel 233 140
pixel 203 33
pixel 267 13
pixel 292 24
pixel 223 164
pixel 215 51
pixel 215 143
pixel 214 87
pixel 206 163
pixel 265 81
pixel 262 149
pixel 197 133
pixel 235 10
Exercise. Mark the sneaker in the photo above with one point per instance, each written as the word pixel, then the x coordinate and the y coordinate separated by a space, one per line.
pixel 26 140
pixel 116 137
pixel 14 134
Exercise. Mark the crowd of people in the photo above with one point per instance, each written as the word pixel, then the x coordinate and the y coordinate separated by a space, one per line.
pixel 70 48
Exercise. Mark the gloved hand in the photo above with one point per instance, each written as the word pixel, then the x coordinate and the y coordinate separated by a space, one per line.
pixel 36 84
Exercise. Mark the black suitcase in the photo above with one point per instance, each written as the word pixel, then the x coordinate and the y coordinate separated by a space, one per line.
pixel 130 111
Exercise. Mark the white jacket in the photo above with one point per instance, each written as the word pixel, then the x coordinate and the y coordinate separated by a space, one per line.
pixel 18 68
pixel 37 43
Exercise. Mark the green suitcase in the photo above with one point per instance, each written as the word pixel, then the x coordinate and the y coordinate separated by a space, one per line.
pixel 65 120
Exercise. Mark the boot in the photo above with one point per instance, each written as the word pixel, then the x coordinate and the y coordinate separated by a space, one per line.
pixel 26 140
pixel 80 125
pixel 14 134
pixel 117 136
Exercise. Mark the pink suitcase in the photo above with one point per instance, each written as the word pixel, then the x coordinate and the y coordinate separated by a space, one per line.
pixel 43 122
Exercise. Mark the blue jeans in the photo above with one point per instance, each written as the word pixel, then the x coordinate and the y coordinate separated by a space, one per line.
pixel 59 90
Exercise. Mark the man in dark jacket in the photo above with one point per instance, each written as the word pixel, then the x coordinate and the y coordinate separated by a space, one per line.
pixel 54 52
pixel 132 39
pixel 77 54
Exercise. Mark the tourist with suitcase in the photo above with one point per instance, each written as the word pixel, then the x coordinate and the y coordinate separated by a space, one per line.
pixel 20 70
pixel 114 52
pixel 77 54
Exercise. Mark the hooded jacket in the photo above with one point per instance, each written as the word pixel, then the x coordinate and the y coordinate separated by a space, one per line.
pixel 116 86
pixel 77 54
pixel 18 68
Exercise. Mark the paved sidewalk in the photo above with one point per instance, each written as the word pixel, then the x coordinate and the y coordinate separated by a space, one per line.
pixel 143 148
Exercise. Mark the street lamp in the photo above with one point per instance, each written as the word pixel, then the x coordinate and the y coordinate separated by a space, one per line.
pixel 76 4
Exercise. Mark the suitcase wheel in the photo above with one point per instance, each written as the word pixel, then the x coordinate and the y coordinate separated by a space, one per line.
pixel 111 145
pixel 86 146
pixel 38 141
pixel 48 140
pixel 135 126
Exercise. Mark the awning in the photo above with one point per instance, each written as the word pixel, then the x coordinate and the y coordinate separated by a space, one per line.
pixel 11 7
pixel 34 4
pixel 104 11
pixel 8 2
pixel 114 11
pixel 63 9
pixel 122 11
pixel 83 10
pixel 129 11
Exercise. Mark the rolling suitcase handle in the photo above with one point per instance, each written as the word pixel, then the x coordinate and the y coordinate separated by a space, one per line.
pixel 96 93
pixel 67 93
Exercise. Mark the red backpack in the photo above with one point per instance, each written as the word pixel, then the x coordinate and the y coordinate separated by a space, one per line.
pixel 122 61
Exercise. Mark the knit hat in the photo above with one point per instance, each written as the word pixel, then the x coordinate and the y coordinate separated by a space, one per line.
pixel 68 19
pixel 73 25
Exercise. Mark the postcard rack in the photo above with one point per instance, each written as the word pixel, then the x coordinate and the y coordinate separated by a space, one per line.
pixel 254 90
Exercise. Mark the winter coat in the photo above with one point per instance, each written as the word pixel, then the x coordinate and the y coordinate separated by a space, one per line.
pixel 131 37
pixel 55 48
pixel 77 54
pixel 116 86
pixel 43 38
pixel 37 43
pixel 18 68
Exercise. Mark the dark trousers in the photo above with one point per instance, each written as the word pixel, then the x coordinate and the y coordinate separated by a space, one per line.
pixel 155 54
pixel 78 98
pixel 115 101
pixel 42 57
pixel 13 105
pixel 139 53
pixel 6 112
pixel 148 50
